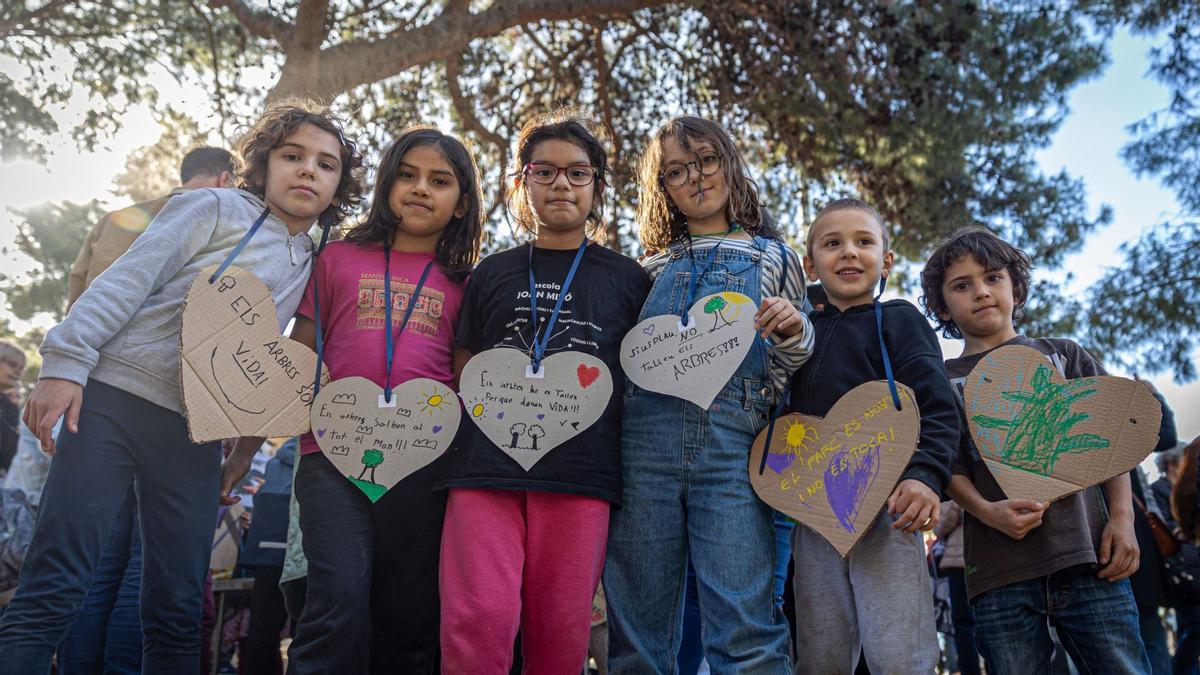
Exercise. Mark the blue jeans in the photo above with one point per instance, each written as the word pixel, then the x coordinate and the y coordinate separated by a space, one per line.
pixel 123 439
pixel 691 646
pixel 1096 620
pixel 687 497
pixel 783 553
pixel 1187 646
pixel 106 637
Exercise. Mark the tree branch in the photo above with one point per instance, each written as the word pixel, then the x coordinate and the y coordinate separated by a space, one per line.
pixel 310 24
pixel 260 22
pixel 471 122
pixel 352 64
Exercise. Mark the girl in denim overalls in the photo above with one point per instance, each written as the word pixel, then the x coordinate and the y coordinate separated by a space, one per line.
pixel 687 493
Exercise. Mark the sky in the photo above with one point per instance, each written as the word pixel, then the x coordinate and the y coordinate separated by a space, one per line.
pixel 1087 146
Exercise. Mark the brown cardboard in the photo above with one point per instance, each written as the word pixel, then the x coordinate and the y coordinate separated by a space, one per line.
pixel 376 443
pixel 852 457
pixel 240 376
pixel 527 416
pixel 691 362
pixel 1044 437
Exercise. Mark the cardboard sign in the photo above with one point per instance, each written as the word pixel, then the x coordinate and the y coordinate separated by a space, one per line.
pixel 833 474
pixel 240 376
pixel 377 444
pixel 691 362
pixel 529 414
pixel 1044 437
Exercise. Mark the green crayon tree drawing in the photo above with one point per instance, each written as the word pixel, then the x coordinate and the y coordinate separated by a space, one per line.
pixel 715 305
pixel 1041 430
pixel 370 459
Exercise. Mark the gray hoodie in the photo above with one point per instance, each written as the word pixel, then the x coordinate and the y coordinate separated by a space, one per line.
pixel 124 329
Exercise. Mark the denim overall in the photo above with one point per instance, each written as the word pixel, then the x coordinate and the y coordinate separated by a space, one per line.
pixel 687 494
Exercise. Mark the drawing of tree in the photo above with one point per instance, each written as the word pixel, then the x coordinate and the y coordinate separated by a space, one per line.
pixel 370 459
pixel 535 432
pixel 714 306
pixel 516 430
pixel 1041 430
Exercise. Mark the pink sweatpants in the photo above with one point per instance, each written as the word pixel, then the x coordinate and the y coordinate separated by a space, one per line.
pixel 510 559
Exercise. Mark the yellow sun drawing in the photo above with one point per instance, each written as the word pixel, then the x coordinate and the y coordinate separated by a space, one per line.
pixel 477 410
pixel 737 302
pixel 431 402
pixel 798 434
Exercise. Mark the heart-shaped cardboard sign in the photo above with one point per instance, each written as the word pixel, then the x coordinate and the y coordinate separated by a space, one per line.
pixel 527 415
pixel 1044 437
pixel 240 376
pixel 375 443
pixel 833 474
pixel 691 362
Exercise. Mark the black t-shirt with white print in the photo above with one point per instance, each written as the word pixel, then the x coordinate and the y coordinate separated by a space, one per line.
pixel 601 305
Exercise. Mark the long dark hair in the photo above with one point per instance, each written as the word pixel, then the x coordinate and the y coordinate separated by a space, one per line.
pixel 659 221
pixel 458 246
pixel 564 125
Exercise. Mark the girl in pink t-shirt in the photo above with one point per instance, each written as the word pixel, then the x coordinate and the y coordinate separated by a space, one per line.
pixel 372 601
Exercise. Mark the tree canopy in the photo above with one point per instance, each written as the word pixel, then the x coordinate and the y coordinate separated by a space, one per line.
pixel 931 111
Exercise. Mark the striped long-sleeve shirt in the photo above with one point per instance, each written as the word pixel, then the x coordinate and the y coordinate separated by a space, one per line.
pixel 786 354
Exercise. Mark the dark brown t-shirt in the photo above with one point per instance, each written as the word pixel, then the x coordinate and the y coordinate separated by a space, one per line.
pixel 1071 527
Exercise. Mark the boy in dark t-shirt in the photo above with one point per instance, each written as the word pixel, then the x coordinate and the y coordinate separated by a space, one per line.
pixel 1029 561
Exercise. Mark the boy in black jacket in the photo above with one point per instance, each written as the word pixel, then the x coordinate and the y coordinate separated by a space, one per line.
pixel 1028 561
pixel 878 599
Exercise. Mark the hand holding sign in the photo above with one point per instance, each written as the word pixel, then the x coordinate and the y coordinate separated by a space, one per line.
pixel 1044 437
pixel 240 376
pixel 833 474
pixel 693 361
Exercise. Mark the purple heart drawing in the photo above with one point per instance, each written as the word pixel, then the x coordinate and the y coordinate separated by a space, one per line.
pixel 846 488
pixel 500 415
pixel 437 428
pixel 779 461
pixel 541 416
pixel 320 433
pixel 649 330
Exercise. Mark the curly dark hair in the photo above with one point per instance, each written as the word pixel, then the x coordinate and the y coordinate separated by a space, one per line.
pixel 271 130
pixel 990 251
pixel 565 125
pixel 458 246
pixel 659 221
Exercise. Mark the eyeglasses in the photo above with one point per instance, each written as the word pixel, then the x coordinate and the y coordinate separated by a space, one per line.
pixel 542 173
pixel 678 172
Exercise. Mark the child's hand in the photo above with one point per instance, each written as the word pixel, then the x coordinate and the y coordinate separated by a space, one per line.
pixel 1119 551
pixel 235 467
pixel 913 506
pixel 778 315
pixel 1014 517
pixel 50 399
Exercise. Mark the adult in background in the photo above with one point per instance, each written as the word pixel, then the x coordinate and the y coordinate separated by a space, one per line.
pixel 1185 600
pixel 107 635
pixel 950 530
pixel 12 366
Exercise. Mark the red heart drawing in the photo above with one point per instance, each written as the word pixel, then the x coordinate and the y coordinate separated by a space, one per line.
pixel 587 375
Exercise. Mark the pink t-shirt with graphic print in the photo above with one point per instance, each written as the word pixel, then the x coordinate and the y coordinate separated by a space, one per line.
pixel 350 280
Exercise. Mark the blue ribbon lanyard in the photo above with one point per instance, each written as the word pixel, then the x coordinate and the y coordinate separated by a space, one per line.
pixel 387 301
pixel 241 245
pixel 782 400
pixel 685 319
pixel 887 361
pixel 539 346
